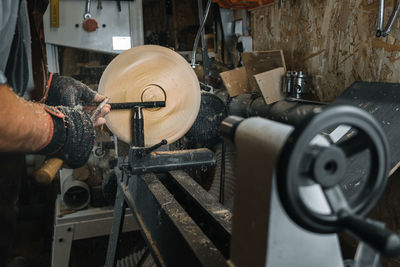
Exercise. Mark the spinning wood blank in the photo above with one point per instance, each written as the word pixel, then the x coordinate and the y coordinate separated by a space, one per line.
pixel 152 73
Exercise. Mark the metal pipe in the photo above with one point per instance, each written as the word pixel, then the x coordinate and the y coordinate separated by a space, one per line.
pixel 131 105
pixel 380 18
pixel 391 21
pixel 289 111
pixel 196 41
pixel 204 49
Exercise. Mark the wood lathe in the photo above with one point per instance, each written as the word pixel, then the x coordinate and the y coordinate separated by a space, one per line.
pixel 292 176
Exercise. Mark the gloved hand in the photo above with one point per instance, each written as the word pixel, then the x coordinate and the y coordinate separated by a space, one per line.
pixel 73 135
pixel 66 91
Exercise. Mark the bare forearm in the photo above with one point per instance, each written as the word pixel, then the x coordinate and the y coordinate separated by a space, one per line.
pixel 24 126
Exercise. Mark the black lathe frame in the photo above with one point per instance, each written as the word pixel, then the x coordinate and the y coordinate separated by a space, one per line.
pixel 182 224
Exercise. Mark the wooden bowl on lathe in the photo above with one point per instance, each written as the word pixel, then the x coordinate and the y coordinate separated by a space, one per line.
pixel 152 73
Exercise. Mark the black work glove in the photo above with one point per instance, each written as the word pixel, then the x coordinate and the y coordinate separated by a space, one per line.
pixel 73 135
pixel 66 91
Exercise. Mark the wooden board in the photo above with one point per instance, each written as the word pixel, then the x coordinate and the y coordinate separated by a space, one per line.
pixel 235 81
pixel 261 61
pixel 270 84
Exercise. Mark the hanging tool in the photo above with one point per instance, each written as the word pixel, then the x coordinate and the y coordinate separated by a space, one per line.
pixel 204 49
pixel 380 32
pixel 89 24
pixel 54 13
pixel 380 18
pixel 46 173
pixel 87 11
pixel 198 35
pixel 119 5
pixel 99 4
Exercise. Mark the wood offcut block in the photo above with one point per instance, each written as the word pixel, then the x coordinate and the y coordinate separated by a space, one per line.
pixel 235 81
pixel 270 84
pixel 261 61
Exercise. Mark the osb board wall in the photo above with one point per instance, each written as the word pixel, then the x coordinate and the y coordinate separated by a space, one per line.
pixel 334 40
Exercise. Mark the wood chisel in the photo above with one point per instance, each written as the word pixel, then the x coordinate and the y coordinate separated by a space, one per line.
pixel 96 112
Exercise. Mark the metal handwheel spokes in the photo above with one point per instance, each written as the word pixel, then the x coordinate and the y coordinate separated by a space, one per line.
pixel 349 174
pixel 312 176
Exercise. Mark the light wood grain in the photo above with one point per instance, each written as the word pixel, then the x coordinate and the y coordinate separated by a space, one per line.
pixel 235 81
pixel 152 73
pixel 47 172
pixel 270 84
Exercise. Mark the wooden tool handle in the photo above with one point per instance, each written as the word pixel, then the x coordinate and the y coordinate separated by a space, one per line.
pixel 46 173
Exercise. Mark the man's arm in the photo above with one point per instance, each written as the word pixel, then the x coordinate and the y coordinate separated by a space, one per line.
pixel 24 126
pixel 60 131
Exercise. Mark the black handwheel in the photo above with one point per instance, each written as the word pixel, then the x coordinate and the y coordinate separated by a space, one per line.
pixel 303 163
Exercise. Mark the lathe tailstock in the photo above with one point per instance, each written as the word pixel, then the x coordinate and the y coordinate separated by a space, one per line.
pixel 289 191
pixel 304 173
